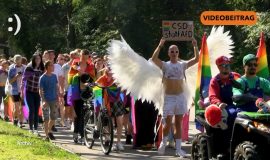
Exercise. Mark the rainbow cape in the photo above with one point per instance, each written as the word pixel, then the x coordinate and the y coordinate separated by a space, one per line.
pixel 203 77
pixel 73 89
pixel 262 69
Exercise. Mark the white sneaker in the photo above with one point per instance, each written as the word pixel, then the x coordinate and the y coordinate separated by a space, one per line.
pixel 67 124
pixel 35 132
pixel 181 153
pixel 115 147
pixel 72 126
pixel 118 147
pixel 161 149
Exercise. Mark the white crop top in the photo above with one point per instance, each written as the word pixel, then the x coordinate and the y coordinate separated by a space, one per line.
pixel 174 70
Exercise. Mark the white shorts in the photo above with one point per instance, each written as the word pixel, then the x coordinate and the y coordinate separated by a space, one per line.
pixel 174 105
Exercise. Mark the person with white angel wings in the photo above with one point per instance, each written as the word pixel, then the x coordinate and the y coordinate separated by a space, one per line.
pixel 144 80
pixel 175 103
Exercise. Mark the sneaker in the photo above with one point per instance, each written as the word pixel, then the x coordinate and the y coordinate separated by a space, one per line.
pixel 221 157
pixel 31 131
pixel 35 132
pixel 181 153
pixel 120 146
pixel 15 122
pixel 6 119
pixel 81 140
pixel 21 125
pixel 161 149
pixel 115 147
pixel 72 126
pixel 54 129
pixel 128 139
pixel 51 136
pixel 67 124
pixel 75 137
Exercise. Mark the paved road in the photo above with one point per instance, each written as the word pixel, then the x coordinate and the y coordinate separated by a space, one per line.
pixel 64 140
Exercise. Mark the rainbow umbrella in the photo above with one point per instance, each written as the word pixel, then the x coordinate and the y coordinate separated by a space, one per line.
pixel 262 69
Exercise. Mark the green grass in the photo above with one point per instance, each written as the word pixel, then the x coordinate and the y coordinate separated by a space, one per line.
pixel 18 144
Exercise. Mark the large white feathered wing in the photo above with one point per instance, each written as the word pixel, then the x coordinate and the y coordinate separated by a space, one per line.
pixel 143 79
pixel 219 43
pixel 135 74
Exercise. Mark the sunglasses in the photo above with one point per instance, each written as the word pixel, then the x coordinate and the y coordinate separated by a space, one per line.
pixel 173 51
pixel 225 65
pixel 252 64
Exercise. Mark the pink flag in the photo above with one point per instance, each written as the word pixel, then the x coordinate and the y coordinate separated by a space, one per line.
pixel 185 126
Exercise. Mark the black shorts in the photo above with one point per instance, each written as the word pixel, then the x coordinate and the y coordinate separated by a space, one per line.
pixel 16 98
pixel 65 100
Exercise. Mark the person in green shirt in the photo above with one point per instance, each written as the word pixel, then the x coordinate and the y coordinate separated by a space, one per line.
pixel 252 86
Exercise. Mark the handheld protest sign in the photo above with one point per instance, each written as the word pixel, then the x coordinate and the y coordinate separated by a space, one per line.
pixel 177 30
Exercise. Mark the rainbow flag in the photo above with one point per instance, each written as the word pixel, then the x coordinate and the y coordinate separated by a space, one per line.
pixel 98 98
pixel 203 77
pixel 74 90
pixel 262 69
pixel 112 94
pixel 166 25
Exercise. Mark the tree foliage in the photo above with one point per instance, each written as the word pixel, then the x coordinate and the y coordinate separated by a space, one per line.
pixel 67 24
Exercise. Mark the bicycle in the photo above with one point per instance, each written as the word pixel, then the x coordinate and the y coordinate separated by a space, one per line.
pixel 97 126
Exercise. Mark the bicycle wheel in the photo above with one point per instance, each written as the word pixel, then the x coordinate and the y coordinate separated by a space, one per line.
pixel 106 133
pixel 89 130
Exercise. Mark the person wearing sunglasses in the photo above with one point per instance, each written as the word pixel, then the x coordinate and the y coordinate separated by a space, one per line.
pixel 175 103
pixel 220 93
pixel 252 86
pixel 220 88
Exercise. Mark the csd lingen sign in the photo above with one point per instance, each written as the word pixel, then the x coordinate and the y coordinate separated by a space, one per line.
pixel 177 30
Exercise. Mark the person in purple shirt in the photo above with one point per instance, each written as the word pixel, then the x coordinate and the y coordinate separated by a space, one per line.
pixel 30 89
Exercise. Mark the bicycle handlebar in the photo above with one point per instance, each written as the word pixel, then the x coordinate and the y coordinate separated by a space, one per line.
pixel 97 85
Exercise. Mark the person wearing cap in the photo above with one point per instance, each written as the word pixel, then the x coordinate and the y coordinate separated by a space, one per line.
pixel 252 86
pixel 220 94
pixel 221 86
pixel 220 89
